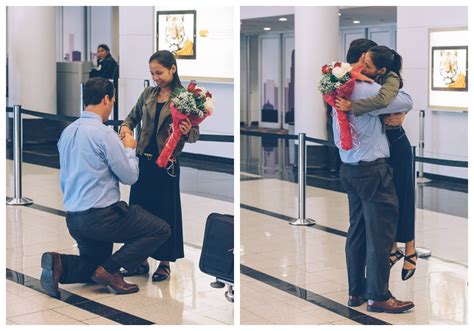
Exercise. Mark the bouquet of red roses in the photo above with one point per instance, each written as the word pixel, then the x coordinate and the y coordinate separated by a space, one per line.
pixel 193 103
pixel 338 81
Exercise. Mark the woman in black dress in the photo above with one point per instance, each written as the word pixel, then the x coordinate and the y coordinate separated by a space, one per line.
pixel 157 189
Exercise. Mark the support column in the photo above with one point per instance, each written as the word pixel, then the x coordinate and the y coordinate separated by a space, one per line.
pixel 31 50
pixel 316 43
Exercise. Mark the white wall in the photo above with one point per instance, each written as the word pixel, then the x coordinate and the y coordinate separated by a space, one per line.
pixel 446 132
pixel 136 46
pixel 214 53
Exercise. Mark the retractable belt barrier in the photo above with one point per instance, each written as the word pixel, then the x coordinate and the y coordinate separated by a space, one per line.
pixel 18 145
pixel 65 118
pixel 449 163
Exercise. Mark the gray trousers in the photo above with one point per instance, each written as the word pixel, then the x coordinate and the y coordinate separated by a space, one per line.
pixel 97 230
pixel 373 207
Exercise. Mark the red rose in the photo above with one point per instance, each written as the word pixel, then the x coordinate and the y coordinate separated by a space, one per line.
pixel 337 64
pixel 208 94
pixel 326 69
pixel 191 86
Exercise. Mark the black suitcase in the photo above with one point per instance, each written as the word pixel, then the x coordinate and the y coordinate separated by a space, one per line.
pixel 217 255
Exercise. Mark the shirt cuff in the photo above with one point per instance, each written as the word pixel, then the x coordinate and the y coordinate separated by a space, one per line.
pixel 131 152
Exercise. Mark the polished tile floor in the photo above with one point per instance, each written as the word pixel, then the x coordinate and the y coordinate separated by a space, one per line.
pixel 297 275
pixel 186 298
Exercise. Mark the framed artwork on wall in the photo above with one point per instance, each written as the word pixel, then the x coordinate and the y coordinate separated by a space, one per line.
pixel 448 69
pixel 176 32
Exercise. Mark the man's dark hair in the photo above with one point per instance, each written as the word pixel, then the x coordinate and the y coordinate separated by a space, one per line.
pixel 95 90
pixel 357 48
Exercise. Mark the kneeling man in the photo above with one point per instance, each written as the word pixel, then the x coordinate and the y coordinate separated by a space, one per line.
pixel 93 161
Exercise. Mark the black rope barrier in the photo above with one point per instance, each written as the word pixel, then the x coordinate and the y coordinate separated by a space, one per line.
pixel 65 118
pixel 269 134
pixel 449 163
pixel 216 138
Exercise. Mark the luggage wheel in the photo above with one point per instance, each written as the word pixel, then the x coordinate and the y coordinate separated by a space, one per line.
pixel 217 284
pixel 229 294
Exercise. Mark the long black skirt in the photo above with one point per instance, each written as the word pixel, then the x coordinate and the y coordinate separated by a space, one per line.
pixel 401 160
pixel 158 193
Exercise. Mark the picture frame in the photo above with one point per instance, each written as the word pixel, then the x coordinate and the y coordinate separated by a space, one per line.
pixel 176 32
pixel 448 69
pixel 449 65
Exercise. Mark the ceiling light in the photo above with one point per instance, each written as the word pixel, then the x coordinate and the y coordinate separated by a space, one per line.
pixel 356 22
pixel 267 29
pixel 283 19
pixel 340 14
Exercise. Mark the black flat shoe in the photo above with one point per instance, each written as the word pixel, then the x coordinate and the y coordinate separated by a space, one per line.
pixel 157 277
pixel 141 270
pixel 408 273
pixel 398 254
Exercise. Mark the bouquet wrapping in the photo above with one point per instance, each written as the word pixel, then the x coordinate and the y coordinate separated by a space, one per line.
pixel 338 81
pixel 193 103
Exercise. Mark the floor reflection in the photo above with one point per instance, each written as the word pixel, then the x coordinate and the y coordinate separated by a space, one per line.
pixel 270 157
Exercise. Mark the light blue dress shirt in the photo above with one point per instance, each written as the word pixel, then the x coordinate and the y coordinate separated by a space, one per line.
pixel 370 142
pixel 92 162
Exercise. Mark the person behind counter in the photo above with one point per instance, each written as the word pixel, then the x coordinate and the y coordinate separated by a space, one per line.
pixel 106 64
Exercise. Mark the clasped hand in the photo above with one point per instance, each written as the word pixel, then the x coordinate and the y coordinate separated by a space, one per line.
pixel 127 138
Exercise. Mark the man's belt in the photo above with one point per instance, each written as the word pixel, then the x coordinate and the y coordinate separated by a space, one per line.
pixel 362 163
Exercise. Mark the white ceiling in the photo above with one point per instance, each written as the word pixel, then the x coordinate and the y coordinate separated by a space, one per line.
pixel 366 16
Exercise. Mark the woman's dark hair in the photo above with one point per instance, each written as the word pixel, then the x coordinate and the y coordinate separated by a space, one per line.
pixel 384 57
pixel 357 48
pixel 167 59
pixel 95 89
pixel 105 47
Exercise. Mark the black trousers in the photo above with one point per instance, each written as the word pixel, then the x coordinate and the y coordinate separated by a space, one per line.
pixel 401 161
pixel 96 230
pixel 373 207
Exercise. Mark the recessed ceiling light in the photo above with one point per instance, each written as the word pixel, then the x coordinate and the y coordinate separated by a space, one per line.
pixel 340 14
pixel 283 19
pixel 267 29
pixel 356 22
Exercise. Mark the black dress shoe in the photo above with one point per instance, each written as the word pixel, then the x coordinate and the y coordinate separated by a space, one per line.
pixel 408 273
pixel 52 271
pixel 141 270
pixel 356 300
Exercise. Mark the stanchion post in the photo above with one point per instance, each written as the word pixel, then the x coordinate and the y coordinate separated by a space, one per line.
pixel 421 179
pixel 82 101
pixel 17 160
pixel 302 220
pixel 423 253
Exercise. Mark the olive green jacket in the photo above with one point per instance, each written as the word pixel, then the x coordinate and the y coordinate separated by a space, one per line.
pixel 145 110
pixel 388 92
